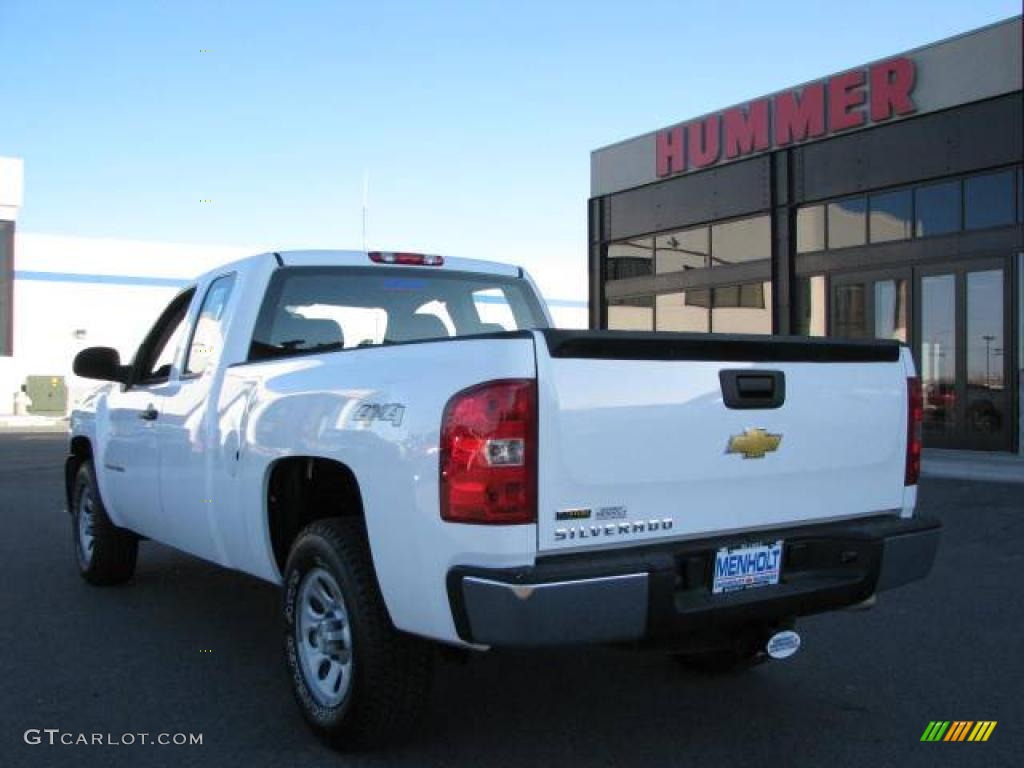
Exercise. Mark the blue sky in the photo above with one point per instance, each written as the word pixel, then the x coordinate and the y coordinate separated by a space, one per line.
pixel 474 120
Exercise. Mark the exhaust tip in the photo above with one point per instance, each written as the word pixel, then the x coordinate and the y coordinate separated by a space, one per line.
pixel 783 644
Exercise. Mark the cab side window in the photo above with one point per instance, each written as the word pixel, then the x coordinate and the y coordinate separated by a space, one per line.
pixel 208 338
pixel 156 355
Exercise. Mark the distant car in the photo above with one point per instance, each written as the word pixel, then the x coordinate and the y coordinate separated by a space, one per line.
pixel 406 446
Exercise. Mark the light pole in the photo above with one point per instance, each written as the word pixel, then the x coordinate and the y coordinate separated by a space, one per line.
pixel 989 338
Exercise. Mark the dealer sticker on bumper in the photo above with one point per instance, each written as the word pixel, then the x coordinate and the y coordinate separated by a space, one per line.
pixel 750 565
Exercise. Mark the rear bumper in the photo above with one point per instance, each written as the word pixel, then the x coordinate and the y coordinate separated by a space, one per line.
pixel 662 594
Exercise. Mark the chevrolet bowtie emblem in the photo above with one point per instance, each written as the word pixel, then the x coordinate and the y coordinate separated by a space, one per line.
pixel 754 443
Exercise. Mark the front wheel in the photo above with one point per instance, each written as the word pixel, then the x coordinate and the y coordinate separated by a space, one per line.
pixel 359 682
pixel 106 554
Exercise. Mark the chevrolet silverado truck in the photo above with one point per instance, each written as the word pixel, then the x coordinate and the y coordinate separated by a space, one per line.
pixel 405 445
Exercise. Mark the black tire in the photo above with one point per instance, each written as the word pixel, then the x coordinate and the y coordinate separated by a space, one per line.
pixel 390 672
pixel 105 554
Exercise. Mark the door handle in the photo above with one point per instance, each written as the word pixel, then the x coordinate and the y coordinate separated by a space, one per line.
pixel 149 414
pixel 752 389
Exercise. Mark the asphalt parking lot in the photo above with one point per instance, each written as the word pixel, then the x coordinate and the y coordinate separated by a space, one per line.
pixel 191 648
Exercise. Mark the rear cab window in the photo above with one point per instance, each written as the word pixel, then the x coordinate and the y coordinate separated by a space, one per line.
pixel 322 309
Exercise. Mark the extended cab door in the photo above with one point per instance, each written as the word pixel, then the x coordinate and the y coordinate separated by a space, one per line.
pixel 189 432
pixel 130 454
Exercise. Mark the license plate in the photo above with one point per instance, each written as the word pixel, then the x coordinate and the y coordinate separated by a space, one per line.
pixel 747 566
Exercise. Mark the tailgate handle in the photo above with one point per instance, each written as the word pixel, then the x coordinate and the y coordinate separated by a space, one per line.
pixel 746 389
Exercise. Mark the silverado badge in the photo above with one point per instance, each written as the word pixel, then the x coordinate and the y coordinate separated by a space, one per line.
pixel 754 443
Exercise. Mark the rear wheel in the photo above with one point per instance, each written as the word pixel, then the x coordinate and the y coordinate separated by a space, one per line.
pixel 359 682
pixel 106 554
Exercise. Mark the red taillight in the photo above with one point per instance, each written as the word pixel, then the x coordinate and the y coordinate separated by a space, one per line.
pixel 414 259
pixel 489 454
pixel 915 415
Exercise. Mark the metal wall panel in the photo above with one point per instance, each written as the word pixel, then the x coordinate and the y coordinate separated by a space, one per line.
pixel 957 141
pixel 960 245
pixel 734 190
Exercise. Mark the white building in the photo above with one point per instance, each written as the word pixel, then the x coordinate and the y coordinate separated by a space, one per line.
pixel 59 294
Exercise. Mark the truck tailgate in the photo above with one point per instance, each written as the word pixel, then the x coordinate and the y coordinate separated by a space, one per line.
pixel 638 441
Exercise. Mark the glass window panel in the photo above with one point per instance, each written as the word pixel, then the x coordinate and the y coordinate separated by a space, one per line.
pixel 849 311
pixel 846 222
pixel 634 314
pixel 632 258
pixel 810 229
pixel 989 200
pixel 938 352
pixel 1020 316
pixel 684 311
pixel 1020 195
pixel 680 251
pixel 737 242
pixel 742 308
pixel 937 209
pixel 493 310
pixel 810 306
pixel 890 216
pixel 891 310
pixel 161 368
pixel 985 352
pixel 208 337
pixel 322 309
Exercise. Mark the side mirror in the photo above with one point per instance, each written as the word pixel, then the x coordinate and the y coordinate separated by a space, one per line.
pixel 101 363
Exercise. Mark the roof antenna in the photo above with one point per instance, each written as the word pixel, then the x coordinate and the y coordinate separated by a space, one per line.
pixel 366 197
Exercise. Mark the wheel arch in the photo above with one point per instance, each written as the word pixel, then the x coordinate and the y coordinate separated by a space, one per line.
pixel 79 452
pixel 302 489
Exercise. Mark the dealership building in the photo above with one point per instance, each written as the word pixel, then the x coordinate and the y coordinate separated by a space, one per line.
pixel 886 201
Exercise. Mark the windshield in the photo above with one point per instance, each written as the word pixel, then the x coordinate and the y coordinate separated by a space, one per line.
pixel 320 309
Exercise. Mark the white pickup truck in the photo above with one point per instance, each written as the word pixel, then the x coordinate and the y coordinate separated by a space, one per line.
pixel 405 445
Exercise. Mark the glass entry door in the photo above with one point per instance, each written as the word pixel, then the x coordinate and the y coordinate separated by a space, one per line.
pixel 962 355
pixel 955 318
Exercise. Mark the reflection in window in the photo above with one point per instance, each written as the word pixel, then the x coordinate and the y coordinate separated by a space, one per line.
pixel 989 200
pixel 1020 195
pixel 208 338
pixel 742 308
pixel 632 258
pixel 985 351
pixel 849 311
pixel 810 229
pixel 938 351
pixel 683 250
pixel 736 242
pixel 684 311
pixel 890 216
pixel 846 222
pixel 493 311
pixel 633 314
pixel 937 209
pixel 161 368
pixel 891 310
pixel 810 306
